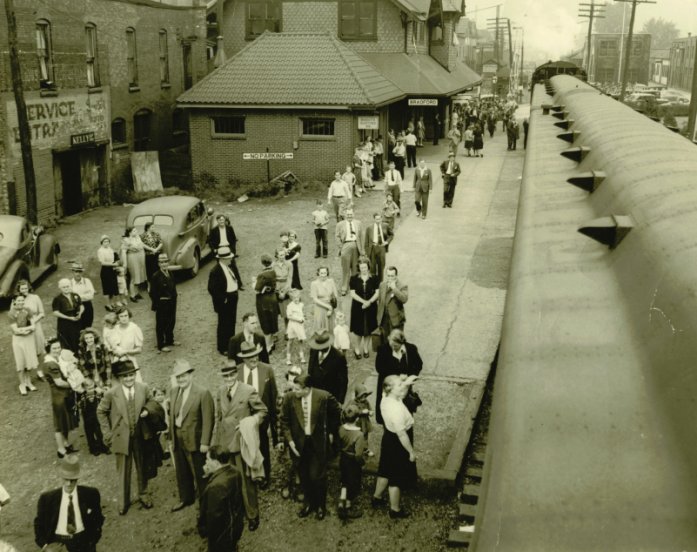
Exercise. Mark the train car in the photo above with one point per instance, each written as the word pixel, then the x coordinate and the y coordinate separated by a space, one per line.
pixel 592 443
pixel 547 70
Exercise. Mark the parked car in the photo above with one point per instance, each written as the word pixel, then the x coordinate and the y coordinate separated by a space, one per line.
pixel 26 252
pixel 184 223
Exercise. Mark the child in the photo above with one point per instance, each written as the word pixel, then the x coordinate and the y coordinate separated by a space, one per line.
pixel 23 344
pixel 342 340
pixel 361 394
pixel 292 487
pixel 72 374
pixel 320 218
pixel 389 211
pixel 122 284
pixel 350 462
pixel 89 401
pixel 350 179
pixel 295 329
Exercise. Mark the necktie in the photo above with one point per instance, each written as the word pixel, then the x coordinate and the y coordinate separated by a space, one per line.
pixel 382 237
pixel 250 379
pixel 376 238
pixel 306 410
pixel 450 167
pixel 351 229
pixel 392 175
pixel 178 404
pixel 71 525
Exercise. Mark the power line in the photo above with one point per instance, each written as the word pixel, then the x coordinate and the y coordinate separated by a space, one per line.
pixel 592 11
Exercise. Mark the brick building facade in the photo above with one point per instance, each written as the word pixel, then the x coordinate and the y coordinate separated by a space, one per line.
pixel 100 79
pixel 605 63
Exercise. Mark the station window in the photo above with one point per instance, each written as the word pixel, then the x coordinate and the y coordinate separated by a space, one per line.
pixel 131 57
pixel 437 34
pixel 91 53
pixel 164 58
pixel 44 52
pixel 118 132
pixel 317 127
pixel 262 16
pixel 358 19
pixel 228 126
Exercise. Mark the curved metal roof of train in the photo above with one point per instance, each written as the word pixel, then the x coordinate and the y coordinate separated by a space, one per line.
pixel 592 443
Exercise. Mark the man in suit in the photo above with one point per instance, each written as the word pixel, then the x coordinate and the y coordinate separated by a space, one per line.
pixel 238 409
pixel 163 294
pixel 328 368
pixel 221 518
pixel 260 376
pixel 223 287
pixel 423 184
pixel 349 245
pixel 119 414
pixel 310 420
pixel 71 515
pixel 393 183
pixel 223 235
pixel 377 242
pixel 191 420
pixel 250 334
pixel 449 170
pixel 392 295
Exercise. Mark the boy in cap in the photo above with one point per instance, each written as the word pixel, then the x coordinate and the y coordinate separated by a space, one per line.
pixel 71 515
pixel 163 294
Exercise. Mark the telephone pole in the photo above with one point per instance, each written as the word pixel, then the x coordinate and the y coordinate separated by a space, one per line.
pixel 22 120
pixel 592 11
pixel 692 115
pixel 498 25
pixel 628 46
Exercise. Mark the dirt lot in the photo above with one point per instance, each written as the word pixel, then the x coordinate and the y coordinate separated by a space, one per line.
pixel 27 462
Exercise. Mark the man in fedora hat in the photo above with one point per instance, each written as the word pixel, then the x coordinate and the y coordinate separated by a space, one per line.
pixel 84 288
pixel 237 402
pixel 260 376
pixel 327 366
pixel 223 287
pixel 250 334
pixel 392 294
pixel 119 413
pixel 449 170
pixel 70 515
pixel 310 421
pixel 191 420
pixel 163 294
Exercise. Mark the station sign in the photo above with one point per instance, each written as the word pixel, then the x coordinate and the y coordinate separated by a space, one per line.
pixel 433 102
pixel 266 156
pixel 368 123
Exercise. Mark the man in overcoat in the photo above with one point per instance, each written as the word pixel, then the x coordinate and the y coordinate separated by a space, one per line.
pixel 163 294
pixel 223 287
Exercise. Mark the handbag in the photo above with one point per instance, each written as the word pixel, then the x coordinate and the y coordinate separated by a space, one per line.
pixel 412 400
pixel 376 339
pixel 333 301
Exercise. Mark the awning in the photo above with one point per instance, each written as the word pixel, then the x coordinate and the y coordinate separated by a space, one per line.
pixel 420 74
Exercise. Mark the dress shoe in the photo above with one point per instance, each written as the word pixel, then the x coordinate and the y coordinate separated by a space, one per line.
pixel 166 350
pixel 176 343
pixel 358 355
pixel 253 524
pixel 61 454
pixel 70 449
pixel 306 511
pixel 321 513
pixel 366 354
pixel 378 502
pixel 31 387
pixel 398 514
pixel 354 512
pixel 181 506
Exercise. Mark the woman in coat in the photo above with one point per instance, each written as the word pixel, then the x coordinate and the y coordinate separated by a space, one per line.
pixel 267 301
pixel 63 400
pixel 109 260
pixel 67 308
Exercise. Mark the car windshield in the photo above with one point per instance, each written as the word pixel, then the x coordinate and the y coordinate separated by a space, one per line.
pixel 157 220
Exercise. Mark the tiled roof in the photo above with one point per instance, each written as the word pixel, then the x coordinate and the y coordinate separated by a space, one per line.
pixel 418 8
pixel 294 69
pixel 420 74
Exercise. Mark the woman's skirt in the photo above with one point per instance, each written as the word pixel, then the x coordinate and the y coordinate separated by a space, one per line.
pixel 108 277
pixel 394 461
pixel 296 330
pixel 268 312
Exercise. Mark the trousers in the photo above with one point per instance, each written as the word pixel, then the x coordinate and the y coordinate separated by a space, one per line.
pixel 124 467
pixel 321 242
pixel 227 319
pixel 165 320
pixel 349 261
pixel 189 471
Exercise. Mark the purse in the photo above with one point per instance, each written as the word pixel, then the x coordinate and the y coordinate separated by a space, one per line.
pixel 412 401
pixel 333 301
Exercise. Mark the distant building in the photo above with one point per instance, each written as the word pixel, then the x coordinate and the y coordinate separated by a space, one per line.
pixel 607 56
pixel 659 66
pixel 682 62
pixel 100 81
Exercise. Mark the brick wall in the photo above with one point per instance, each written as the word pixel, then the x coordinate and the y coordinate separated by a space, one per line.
pixel 413 45
pixel 445 53
pixel 277 130
pixel 67 20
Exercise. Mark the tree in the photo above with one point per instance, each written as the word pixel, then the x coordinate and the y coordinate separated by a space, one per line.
pixel 614 15
pixel 662 32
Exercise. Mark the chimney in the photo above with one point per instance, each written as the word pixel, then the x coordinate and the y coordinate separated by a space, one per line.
pixel 220 53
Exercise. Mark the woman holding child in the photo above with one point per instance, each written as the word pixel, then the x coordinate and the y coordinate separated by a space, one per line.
pixel 63 399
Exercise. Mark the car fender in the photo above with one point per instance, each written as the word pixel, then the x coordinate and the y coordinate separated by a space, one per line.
pixel 9 275
pixel 185 253
pixel 47 250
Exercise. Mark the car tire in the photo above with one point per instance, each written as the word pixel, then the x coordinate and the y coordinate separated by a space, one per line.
pixel 193 271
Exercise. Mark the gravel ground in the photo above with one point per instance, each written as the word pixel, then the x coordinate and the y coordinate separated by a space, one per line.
pixel 27 462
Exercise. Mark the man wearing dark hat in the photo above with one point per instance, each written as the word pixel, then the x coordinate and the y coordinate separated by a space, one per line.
pixel 71 515
pixel 119 413
pixel 223 235
pixel 191 420
pixel 392 294
pixel 250 334
pixel 239 409
pixel 310 421
pixel 163 294
pixel 327 367
pixel 449 170
pixel 223 287
pixel 84 288
pixel 260 376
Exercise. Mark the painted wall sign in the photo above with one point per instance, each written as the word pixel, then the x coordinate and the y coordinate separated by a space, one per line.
pixel 368 123
pixel 266 156
pixel 423 101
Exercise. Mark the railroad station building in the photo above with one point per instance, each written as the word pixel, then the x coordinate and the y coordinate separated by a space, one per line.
pixel 312 79
pixel 100 80
pixel 682 63
pixel 605 61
